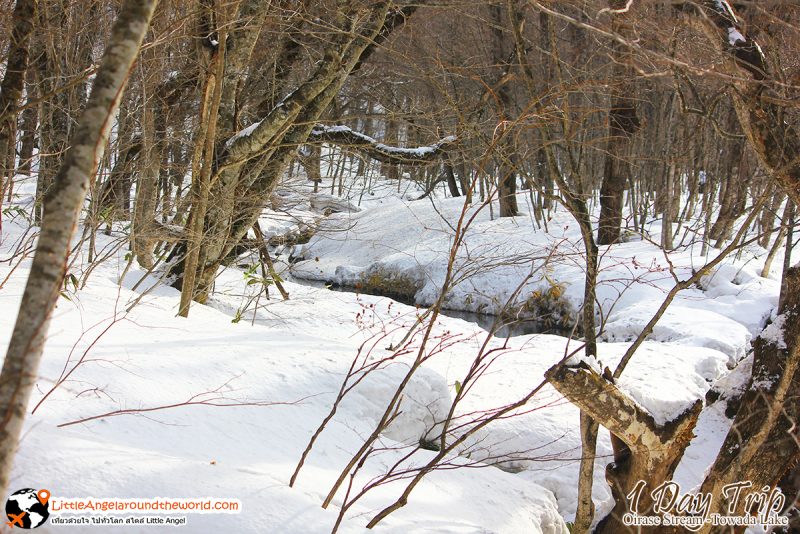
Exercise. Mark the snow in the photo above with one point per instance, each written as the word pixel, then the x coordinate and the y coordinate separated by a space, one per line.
pixel 682 325
pixel 684 374
pixel 230 406
pixel 505 263
pixel 773 333
pixel 706 330
pixel 297 353
pixel 734 36
pixel 724 10
pixel 245 132
pixel 589 361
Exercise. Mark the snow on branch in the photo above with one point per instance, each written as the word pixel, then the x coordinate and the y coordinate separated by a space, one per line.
pixel 344 136
pixel 616 410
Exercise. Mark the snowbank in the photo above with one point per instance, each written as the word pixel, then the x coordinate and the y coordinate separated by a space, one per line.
pixel 402 248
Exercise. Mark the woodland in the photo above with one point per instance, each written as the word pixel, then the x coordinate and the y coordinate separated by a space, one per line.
pixel 433 266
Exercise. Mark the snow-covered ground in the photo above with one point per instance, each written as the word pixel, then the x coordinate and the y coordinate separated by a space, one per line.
pixel 507 263
pixel 209 407
pixel 278 378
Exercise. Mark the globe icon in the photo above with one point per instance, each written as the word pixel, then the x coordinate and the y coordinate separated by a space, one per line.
pixel 27 508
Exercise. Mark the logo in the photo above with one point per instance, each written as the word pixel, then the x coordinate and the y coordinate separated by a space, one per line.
pixel 694 510
pixel 28 508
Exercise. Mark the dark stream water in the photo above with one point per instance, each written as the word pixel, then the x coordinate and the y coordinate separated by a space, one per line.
pixel 507 328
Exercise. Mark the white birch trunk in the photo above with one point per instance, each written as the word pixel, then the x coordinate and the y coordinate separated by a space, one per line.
pixel 62 207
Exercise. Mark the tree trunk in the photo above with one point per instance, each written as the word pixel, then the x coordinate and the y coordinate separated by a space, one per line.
pixel 153 145
pixel 250 165
pixel 311 159
pixel 782 231
pixel 11 89
pixel 504 141
pixel 62 208
pixel 734 188
pixel 391 172
pixel 450 176
pixel 30 120
pixel 116 194
pixel 650 452
pixel 622 125
pixel 201 171
pixel 507 180
pixel 763 443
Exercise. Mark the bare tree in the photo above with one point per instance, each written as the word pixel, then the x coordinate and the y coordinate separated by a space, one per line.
pixel 62 207
pixel 762 443
pixel 622 125
pixel 11 89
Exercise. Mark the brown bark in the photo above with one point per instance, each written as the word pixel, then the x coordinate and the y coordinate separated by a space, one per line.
pixel 310 157
pixel 651 452
pixel 263 253
pixel 62 208
pixel 734 190
pixel 623 123
pixel 30 119
pixel 390 171
pixel 142 243
pixel 504 140
pixel 201 172
pixel 764 441
pixel 12 85
pixel 507 181
pixel 450 176
pixel 116 191
pixel 767 220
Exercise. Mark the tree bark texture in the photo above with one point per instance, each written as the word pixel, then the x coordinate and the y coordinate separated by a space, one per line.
pixel 62 208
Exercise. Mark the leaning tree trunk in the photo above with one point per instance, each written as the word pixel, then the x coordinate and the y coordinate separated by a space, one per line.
pixel 649 451
pixel 622 125
pixel 62 208
pixel 250 165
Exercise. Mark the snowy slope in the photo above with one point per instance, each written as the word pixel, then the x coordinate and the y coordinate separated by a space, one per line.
pixel 411 241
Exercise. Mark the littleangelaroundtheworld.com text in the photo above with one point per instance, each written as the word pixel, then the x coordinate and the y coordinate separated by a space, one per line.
pixel 200 505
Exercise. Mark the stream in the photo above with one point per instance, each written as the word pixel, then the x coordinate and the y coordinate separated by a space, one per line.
pixel 508 327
